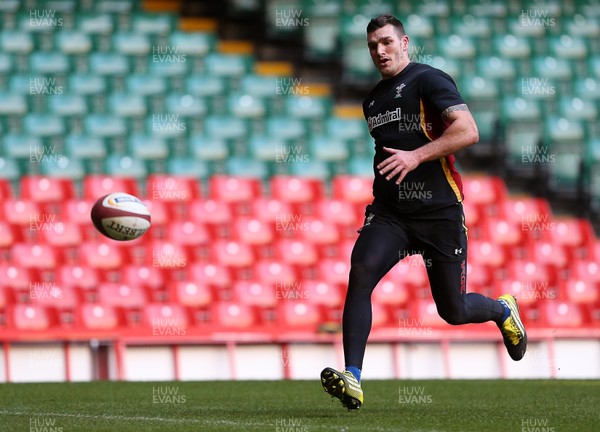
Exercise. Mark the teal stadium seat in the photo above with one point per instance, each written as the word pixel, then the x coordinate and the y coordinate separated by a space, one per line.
pixel 321 36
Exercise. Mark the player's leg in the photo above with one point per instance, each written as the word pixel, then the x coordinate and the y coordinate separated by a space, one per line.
pixel 376 251
pixel 448 282
pixel 448 286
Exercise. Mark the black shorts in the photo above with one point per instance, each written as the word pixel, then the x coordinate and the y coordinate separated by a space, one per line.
pixel 439 234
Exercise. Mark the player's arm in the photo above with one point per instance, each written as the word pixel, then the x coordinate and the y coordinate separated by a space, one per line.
pixel 461 131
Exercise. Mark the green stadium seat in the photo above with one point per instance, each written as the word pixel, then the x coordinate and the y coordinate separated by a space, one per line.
pixel 566 143
pixel 419 26
pixel 153 23
pixel 193 44
pixel 494 67
pixel 315 170
pixel 188 167
pixel 148 147
pixel 73 42
pixel 522 127
pixel 9 169
pixel 588 88
pixel 93 23
pixel 208 148
pixel 246 106
pixel 43 125
pixel 594 66
pixel 582 26
pixel 13 104
pixel 114 6
pixel 482 96
pixel 16 42
pixel 360 166
pixel 285 128
pixel 568 47
pixel 270 150
pixel 105 125
pixel 451 66
pixel 321 38
pixel 575 108
pixel 125 166
pixel 227 65
pixel 133 44
pixel 512 47
pixel 247 167
pixel 108 64
pixel 20 146
pixel 226 127
pixel 65 167
pixel 87 84
pixel 127 105
pixel 146 85
pixel 84 147
pixel 68 105
pixel 185 105
pixel 281 16
pixel 308 107
pixel 169 70
pixel 328 148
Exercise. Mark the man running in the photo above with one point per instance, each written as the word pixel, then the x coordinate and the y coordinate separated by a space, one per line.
pixel 418 120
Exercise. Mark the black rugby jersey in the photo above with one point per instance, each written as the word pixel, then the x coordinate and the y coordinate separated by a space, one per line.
pixel 404 112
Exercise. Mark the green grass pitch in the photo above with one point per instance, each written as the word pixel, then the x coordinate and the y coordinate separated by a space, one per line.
pixel 302 406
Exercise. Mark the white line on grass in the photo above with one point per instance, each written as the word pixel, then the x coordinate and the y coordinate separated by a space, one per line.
pixel 206 422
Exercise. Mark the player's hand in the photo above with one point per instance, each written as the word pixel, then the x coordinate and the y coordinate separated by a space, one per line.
pixel 398 164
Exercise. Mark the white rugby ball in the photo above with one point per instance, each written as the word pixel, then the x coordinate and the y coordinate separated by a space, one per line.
pixel 121 216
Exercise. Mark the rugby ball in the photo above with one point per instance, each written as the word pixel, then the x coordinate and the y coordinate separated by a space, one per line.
pixel 121 216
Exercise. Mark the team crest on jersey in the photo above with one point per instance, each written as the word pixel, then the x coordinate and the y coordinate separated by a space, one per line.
pixel 399 90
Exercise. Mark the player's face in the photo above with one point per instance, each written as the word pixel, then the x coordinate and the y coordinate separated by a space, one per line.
pixel 389 50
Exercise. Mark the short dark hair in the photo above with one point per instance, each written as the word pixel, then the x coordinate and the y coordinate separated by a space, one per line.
pixel 383 20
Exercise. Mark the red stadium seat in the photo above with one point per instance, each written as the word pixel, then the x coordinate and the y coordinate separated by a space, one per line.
pixel 298 315
pixel 340 213
pixel 192 294
pixel 232 253
pixel 159 216
pixel 532 214
pixel 3 301
pixel 478 275
pixel 5 189
pixel 104 255
pixel 76 276
pixel 15 277
pixel 585 269
pixel 296 252
pixel 166 319
pixel 390 292
pixel 239 192
pixel 357 190
pixel 42 189
pixel 526 293
pixel 549 253
pixel 78 211
pixel 146 276
pixel 334 270
pixel 26 316
pixel 472 218
pixel 192 236
pixel 502 232
pixel 561 314
pixel 35 256
pixel 320 232
pixel 98 185
pixel 486 253
pixel 20 212
pixel 484 191
pixel 320 292
pixel 296 190
pixel 62 235
pixel 95 316
pixel 271 209
pixel 274 272
pixel 216 215
pixel 234 315
pixel 8 235
pixel 528 271
pixel 572 233
pixel 411 271
pixel 255 293
pixel 53 295
pixel 580 291
pixel 121 295
pixel 212 274
pixel 424 317
pixel 167 255
pixel 380 316
pixel 253 231
pixel 169 188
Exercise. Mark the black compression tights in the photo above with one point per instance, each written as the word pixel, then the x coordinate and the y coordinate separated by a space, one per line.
pixel 376 251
